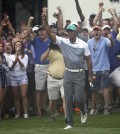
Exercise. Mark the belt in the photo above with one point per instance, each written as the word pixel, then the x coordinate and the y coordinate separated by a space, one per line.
pixel 74 70
pixel 40 65
pixel 56 78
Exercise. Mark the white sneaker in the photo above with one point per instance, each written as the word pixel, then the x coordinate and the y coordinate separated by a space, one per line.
pixel 17 116
pixel 68 127
pixel 56 114
pixel 83 118
pixel 25 116
pixel 106 112
pixel 92 111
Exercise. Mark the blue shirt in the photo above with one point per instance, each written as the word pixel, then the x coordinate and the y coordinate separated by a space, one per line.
pixel 113 53
pixel 40 47
pixel 99 54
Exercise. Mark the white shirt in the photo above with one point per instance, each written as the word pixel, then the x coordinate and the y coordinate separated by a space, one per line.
pixel 7 57
pixel 18 70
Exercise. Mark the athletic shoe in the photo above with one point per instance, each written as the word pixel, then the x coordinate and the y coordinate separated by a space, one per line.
pixel 68 127
pixel 92 111
pixel 17 116
pixel 53 118
pixel 106 112
pixel 83 117
pixel 77 110
pixel 25 116
pixel 56 114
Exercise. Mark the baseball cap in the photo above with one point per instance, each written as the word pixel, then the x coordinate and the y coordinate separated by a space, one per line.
pixel 97 27
pixel 35 28
pixel 53 25
pixel 84 28
pixel 92 15
pixel 106 26
pixel 72 27
pixel 74 23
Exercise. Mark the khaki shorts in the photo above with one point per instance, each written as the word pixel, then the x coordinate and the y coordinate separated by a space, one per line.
pixel 41 76
pixel 55 88
pixel 115 77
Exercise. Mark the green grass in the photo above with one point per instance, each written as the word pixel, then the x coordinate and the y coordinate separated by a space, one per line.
pixel 98 124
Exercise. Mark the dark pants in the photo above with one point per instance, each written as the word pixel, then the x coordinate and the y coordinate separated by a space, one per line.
pixel 74 87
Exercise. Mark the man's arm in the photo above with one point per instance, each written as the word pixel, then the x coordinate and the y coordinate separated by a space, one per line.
pixel 45 23
pixel 8 24
pixel 10 28
pixel 115 19
pixel 1 30
pixel 29 26
pixel 89 65
pixel 82 17
pixel 98 16
pixel 59 17
pixel 111 40
pixel 45 55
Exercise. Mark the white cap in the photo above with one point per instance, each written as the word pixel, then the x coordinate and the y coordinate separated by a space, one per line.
pixel 106 26
pixel 74 23
pixel 35 28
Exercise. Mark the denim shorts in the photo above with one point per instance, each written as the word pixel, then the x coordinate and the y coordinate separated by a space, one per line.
pixel 101 81
pixel 18 80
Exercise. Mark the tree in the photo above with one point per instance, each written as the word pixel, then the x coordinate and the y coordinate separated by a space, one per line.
pixel 115 0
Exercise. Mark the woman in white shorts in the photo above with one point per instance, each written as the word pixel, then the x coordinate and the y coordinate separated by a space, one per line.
pixel 18 79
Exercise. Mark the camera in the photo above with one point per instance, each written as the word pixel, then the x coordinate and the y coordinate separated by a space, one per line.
pixel 53 46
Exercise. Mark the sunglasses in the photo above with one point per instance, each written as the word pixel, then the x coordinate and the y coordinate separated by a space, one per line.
pixel 94 47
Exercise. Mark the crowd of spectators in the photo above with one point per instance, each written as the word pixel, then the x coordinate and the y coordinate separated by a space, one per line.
pixel 41 64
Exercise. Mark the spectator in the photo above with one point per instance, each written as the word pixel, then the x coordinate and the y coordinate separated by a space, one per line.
pixel 55 78
pixel 18 80
pixel 118 35
pixel 9 99
pixel 99 47
pixel 29 51
pixel 40 44
pixel 3 77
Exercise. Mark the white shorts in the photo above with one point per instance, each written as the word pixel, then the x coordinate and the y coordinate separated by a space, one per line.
pixel 115 77
pixel 41 76
pixel 55 88
pixel 18 80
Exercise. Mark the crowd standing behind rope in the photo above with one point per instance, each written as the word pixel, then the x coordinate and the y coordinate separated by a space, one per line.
pixel 28 60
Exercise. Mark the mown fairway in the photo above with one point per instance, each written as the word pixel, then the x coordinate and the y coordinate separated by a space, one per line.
pixel 97 124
